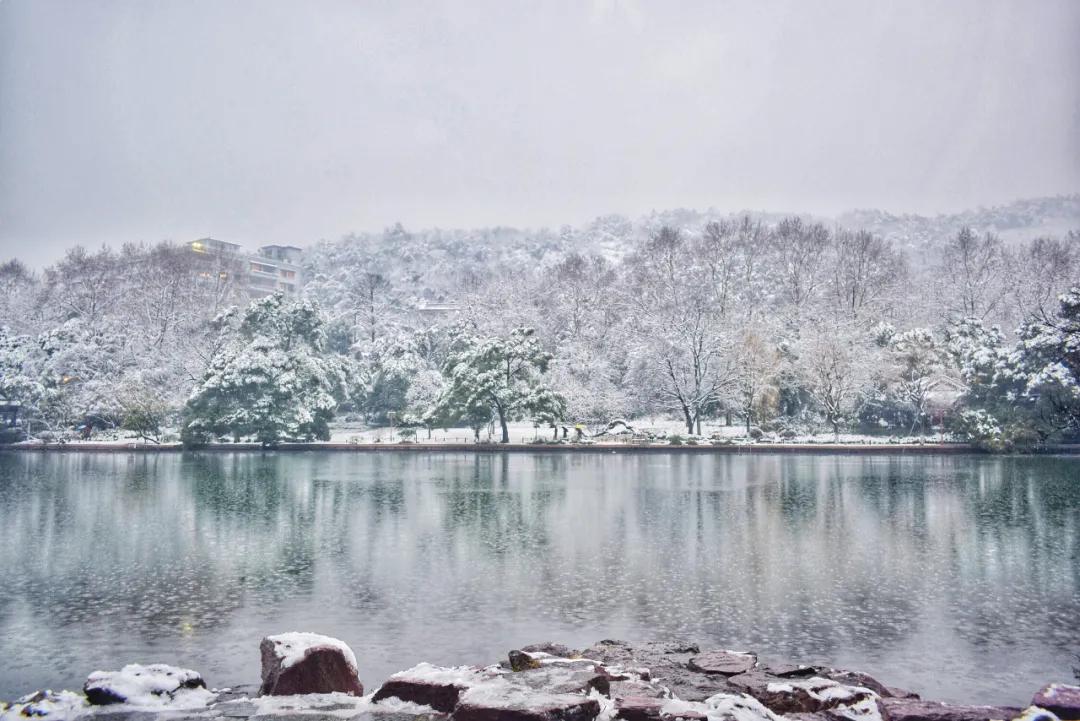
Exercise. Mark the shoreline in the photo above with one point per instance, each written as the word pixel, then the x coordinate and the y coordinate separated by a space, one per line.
pixel 317 677
pixel 738 449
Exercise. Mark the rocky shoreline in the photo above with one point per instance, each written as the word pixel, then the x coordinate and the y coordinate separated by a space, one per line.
pixel 307 677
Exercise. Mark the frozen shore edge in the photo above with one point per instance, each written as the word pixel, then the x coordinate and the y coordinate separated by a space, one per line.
pixel 309 677
pixel 743 448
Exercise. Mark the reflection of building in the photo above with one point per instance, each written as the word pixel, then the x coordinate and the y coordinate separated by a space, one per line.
pixel 273 268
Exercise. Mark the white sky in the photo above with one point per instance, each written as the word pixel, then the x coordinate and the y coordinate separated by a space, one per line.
pixel 287 122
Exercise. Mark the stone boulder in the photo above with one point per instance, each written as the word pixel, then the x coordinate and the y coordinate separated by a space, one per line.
pixel 1060 699
pixel 521 660
pixel 154 685
pixel 646 708
pixel 721 707
pixel 635 689
pixel 904 709
pixel 500 699
pixel 435 686
pixel 552 649
pixel 724 663
pixel 303 663
pixel 561 679
pixel 666 664
pixel 803 695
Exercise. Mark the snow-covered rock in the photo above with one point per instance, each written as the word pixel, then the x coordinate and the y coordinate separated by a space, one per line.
pixel 1061 699
pixel 819 694
pixel 436 686
pixel 500 699
pixel 904 709
pixel 156 685
pixel 720 707
pixel 53 704
pixel 305 663
pixel 563 678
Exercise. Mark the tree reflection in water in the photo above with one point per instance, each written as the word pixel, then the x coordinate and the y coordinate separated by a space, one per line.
pixel 956 576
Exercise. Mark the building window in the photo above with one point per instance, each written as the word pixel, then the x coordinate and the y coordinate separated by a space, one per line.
pixel 288 274
pixel 261 268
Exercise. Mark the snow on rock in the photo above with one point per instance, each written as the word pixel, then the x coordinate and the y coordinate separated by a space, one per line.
pixel 59 705
pixel 809 695
pixel 727 663
pixel 1059 698
pixel 720 707
pixel 906 709
pixel 499 699
pixel 562 679
pixel 1034 713
pixel 824 690
pixel 306 663
pixel 156 685
pixel 732 707
pixel 436 686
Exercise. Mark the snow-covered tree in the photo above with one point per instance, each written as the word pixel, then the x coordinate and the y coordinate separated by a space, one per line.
pixel 20 382
pixel 835 363
pixel 916 360
pixel 272 380
pixel 800 251
pixel 972 280
pixel 758 364
pixel 1045 368
pixel 505 374
pixel 865 269
pixel 682 333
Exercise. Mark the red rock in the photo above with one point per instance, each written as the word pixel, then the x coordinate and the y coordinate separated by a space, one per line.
pixel 428 685
pixel 800 695
pixel 902 709
pixel 302 663
pixel 502 701
pixel 726 663
pixel 1061 699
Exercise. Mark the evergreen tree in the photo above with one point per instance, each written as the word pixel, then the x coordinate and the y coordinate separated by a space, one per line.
pixel 272 379
pixel 503 374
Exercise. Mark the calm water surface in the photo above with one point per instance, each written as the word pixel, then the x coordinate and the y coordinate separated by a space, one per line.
pixel 958 577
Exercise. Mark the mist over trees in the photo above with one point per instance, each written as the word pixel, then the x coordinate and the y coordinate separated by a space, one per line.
pixel 876 323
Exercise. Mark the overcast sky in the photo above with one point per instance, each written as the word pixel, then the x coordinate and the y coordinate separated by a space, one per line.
pixel 288 122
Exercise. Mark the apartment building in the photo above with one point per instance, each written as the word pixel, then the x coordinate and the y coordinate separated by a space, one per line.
pixel 270 269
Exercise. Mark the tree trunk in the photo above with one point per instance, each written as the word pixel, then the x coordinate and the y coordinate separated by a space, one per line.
pixel 505 430
pixel 699 424
pixel 689 420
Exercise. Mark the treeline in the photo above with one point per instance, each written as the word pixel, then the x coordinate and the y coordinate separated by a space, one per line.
pixel 790 326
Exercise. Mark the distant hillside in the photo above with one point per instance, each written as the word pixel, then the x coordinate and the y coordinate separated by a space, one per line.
pixel 439 264
pixel 1019 220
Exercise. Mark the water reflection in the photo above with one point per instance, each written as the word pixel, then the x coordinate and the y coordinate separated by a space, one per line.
pixel 958 577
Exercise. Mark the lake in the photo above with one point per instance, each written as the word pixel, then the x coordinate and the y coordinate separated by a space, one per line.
pixel 955 576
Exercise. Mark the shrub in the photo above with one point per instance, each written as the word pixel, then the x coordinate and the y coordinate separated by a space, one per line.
pixel 675 439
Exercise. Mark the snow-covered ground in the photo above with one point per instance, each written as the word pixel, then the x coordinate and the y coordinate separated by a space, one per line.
pixel 656 428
